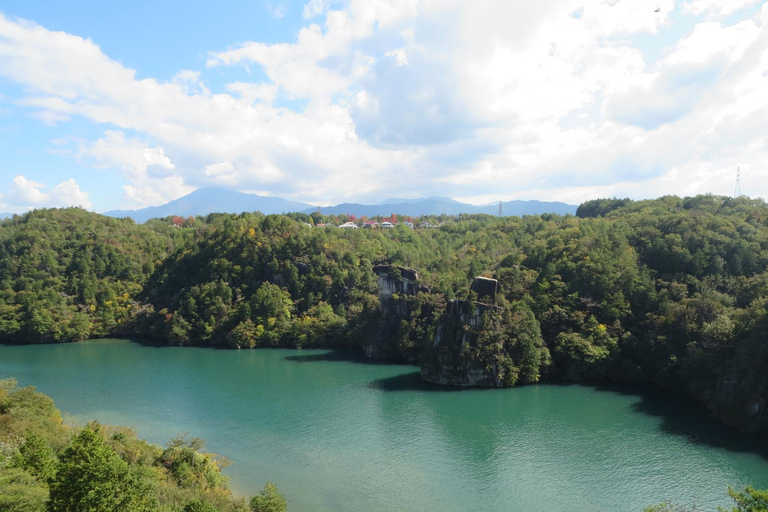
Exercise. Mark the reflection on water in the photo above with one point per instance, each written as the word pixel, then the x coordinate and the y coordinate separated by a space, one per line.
pixel 338 433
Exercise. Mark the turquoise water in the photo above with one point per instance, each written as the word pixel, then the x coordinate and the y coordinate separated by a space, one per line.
pixel 338 434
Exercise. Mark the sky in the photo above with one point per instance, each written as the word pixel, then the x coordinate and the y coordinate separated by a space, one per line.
pixel 118 104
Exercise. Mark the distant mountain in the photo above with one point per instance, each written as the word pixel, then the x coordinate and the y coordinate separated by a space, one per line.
pixel 521 208
pixel 397 200
pixel 6 215
pixel 445 205
pixel 209 200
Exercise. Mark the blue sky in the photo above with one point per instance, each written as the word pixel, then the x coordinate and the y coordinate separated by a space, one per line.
pixel 124 105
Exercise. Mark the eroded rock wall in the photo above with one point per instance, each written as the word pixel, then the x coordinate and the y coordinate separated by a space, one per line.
pixel 397 288
pixel 450 360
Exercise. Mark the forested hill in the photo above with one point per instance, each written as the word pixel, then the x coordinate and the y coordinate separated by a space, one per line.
pixel 671 291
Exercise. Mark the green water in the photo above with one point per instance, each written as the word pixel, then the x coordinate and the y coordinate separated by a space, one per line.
pixel 338 434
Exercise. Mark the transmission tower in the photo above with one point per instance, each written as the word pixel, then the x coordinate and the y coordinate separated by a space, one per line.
pixel 499 208
pixel 737 191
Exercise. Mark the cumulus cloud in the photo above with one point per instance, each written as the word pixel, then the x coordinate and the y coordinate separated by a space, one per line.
pixel 25 194
pixel 68 193
pixel 481 100
pixel 148 169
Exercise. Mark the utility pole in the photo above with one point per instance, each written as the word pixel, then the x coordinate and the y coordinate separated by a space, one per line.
pixel 499 208
pixel 737 191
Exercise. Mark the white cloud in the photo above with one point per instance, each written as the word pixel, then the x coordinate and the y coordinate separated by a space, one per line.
pixel 156 191
pixel 24 191
pixel 716 8
pixel 25 194
pixel 254 92
pixel 400 55
pixel 278 10
pixel 68 193
pixel 149 170
pixel 190 82
pixel 315 8
pixel 222 172
pixel 710 42
pixel 554 98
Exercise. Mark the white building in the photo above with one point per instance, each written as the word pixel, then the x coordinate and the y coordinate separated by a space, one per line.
pixel 349 225
pixel 386 225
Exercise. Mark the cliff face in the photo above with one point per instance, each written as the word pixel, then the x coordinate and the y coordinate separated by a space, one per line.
pixel 398 286
pixel 474 343
pixel 460 354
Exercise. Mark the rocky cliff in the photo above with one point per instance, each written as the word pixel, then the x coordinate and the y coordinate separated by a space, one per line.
pixel 399 288
pixel 482 344
pixel 460 333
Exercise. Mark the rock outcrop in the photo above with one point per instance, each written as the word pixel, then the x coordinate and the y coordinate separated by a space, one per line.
pixel 397 288
pixel 396 284
pixel 458 335
pixel 485 288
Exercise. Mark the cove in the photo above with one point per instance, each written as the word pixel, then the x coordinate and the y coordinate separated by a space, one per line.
pixel 338 433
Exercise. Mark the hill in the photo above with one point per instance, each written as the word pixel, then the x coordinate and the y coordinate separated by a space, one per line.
pixel 209 200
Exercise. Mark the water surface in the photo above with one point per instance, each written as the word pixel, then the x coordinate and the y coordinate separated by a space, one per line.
pixel 338 434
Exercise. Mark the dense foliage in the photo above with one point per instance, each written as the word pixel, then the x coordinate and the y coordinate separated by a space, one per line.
pixel 46 466
pixel 747 500
pixel 672 291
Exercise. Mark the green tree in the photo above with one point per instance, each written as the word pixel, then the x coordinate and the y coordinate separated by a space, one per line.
pixel 748 500
pixel 36 457
pixel 269 500
pixel 91 477
pixel 199 506
pixel 21 492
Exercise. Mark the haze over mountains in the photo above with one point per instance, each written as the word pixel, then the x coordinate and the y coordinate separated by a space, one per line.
pixel 209 200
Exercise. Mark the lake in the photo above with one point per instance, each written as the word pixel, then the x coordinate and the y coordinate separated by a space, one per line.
pixel 338 433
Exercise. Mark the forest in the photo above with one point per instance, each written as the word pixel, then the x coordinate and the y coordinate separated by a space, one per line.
pixel 671 292
pixel 46 466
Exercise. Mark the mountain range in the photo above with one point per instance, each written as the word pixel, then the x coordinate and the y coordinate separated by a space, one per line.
pixel 208 200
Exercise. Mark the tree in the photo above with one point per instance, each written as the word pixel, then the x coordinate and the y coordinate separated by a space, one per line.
pixel 749 500
pixel 91 477
pixel 36 457
pixel 199 506
pixel 21 492
pixel 269 500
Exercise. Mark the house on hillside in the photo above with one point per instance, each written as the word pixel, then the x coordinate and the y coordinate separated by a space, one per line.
pixel 387 225
pixel 349 225
pixel 370 224
pixel 408 224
